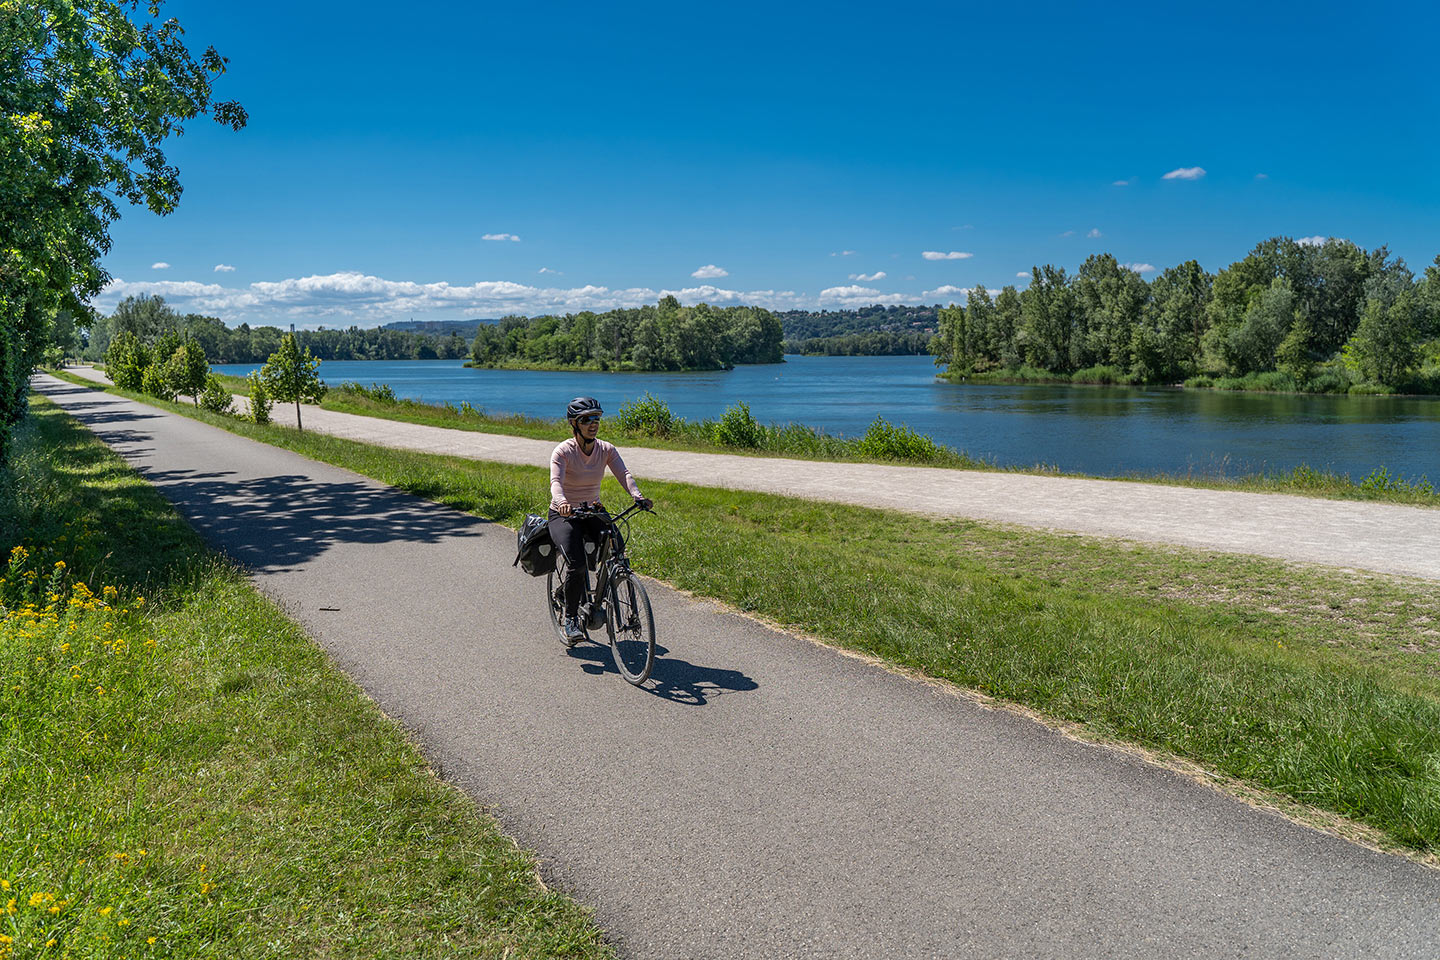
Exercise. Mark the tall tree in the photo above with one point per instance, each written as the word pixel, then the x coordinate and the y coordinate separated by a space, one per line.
pixel 89 91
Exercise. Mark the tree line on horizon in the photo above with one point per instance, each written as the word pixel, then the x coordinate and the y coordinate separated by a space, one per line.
pixel 149 318
pixel 663 336
pixel 1326 317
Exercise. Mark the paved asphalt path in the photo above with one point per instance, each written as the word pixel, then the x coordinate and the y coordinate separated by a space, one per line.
pixel 1383 537
pixel 764 796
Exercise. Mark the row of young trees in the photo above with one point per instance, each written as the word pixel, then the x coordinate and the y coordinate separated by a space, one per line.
pixel 148 317
pixel 1327 316
pixel 89 92
pixel 169 365
pixel 666 336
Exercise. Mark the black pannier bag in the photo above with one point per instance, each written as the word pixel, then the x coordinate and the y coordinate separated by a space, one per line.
pixel 534 551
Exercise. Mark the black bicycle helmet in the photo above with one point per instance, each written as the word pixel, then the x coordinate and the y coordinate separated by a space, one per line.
pixel 580 406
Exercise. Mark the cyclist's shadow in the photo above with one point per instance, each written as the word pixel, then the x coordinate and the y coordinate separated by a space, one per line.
pixel 672 678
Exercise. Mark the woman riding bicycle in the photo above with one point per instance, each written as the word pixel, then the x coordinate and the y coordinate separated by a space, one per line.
pixel 576 468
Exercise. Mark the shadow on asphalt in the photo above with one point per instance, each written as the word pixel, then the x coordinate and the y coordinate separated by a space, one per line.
pixel 673 679
pixel 272 524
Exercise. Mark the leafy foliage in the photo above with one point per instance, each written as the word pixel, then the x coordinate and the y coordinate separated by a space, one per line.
pixel 89 91
pixel 1290 315
pixel 260 402
pixel 666 336
pixel 649 415
pixel 738 428
pixel 215 397
pixel 883 441
pixel 292 376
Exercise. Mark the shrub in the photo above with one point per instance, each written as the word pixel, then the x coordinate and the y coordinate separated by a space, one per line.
pixel 1327 381
pixel 737 428
pixel 882 441
pixel 378 392
pixel 1370 389
pixel 649 415
pixel 1099 374
pixel 126 360
pixel 260 401
pixel 1275 381
pixel 187 370
pixel 1383 481
pixel 1229 383
pixel 215 397
pixel 1200 382
pixel 155 383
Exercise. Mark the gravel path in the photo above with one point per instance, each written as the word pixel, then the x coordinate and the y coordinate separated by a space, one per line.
pixel 764 796
pixel 1381 537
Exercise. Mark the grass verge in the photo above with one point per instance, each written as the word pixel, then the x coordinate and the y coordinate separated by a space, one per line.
pixel 1319 685
pixel 184 773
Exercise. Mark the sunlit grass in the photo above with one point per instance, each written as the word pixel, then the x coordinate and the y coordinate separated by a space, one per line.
pixel 185 774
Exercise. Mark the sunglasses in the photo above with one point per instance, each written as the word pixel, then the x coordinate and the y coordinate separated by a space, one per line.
pixel 589 418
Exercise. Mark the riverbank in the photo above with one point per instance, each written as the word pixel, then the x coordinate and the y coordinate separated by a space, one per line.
pixel 654 431
pixel 1315 686
pixel 190 775
pixel 1328 382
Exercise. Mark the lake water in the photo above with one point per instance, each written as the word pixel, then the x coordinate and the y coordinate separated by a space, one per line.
pixel 1098 430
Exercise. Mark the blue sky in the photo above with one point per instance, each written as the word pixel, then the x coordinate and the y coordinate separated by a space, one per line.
pixel 786 155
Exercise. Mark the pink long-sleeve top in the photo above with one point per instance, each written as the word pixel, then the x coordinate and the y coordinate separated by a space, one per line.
pixel 575 477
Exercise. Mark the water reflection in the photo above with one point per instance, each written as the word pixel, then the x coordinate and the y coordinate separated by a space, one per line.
pixel 1099 430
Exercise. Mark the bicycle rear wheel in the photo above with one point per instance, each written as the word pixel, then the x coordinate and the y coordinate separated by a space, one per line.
pixel 631 625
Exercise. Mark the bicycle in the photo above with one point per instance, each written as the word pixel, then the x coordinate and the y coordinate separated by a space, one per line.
pixel 618 599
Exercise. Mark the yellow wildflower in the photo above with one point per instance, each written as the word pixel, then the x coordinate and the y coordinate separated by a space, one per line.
pixel 150 940
pixel 124 922
pixel 10 907
pixel 59 564
pixel 206 887
pixel 4 884
pixel 105 911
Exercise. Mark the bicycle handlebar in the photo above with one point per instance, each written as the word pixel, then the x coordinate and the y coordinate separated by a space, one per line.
pixel 598 510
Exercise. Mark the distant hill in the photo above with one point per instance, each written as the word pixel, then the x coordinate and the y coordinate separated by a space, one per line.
pixel 438 328
pixel 807 324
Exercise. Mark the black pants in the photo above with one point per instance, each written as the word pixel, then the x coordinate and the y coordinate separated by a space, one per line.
pixel 569 536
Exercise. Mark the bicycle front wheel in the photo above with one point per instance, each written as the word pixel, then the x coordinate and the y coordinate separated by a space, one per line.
pixel 631 625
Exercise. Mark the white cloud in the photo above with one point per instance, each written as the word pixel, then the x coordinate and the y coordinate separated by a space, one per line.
pixel 224 268
pixel 1122 183
pixel 1315 241
pixel 952 255
pixel 1023 274
pixel 868 277
pixel 363 300
pixel 1068 233
pixel 1262 176
pixel 857 296
pixel 946 291
pixel 710 272
pixel 1185 173
pixel 501 236
pixel 1094 233
pixel 844 253
pixel 160 265
pixel 1139 267
pixel 548 270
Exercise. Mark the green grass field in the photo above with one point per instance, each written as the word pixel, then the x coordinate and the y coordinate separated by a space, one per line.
pixel 185 774
pixel 1317 685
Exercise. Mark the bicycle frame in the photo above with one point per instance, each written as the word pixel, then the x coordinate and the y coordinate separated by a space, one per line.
pixel 606 559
